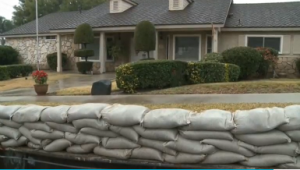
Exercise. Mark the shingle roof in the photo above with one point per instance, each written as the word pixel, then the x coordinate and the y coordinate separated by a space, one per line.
pixel 265 15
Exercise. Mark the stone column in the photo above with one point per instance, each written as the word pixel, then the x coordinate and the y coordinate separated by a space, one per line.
pixel 102 52
pixel 59 57
pixel 215 39
pixel 155 54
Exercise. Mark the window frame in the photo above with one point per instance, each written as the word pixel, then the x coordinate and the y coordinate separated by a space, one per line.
pixel 266 36
pixel 186 35
pixel 206 45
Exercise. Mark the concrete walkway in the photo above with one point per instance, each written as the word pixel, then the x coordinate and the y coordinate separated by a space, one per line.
pixel 164 99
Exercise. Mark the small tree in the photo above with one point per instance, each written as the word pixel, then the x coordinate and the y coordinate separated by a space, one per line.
pixel 144 37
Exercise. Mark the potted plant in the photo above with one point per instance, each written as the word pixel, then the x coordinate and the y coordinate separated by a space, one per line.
pixel 40 79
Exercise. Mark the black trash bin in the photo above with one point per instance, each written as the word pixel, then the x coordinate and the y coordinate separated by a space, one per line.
pixel 102 87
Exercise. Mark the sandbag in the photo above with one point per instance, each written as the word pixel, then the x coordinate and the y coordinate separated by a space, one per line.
pixel 124 115
pixel 113 153
pixel 293 113
pixel 99 133
pixel 14 143
pixel 166 118
pixel 92 123
pixel 34 146
pixel 38 134
pixel 62 127
pixel 200 135
pixel 230 146
pixel 46 142
pixel 10 132
pixel 258 120
pixel 222 157
pixel 291 149
pixel 3 138
pixel 10 123
pixel 189 146
pixel 184 158
pixel 211 120
pixel 56 114
pixel 25 132
pixel 158 145
pixel 118 143
pixel 146 154
pixel 38 126
pixel 82 149
pixel 294 135
pixel 295 165
pixel 274 137
pixel 28 114
pixel 7 112
pixel 156 134
pixel 81 139
pixel 57 145
pixel 86 111
pixel 127 132
pixel 268 160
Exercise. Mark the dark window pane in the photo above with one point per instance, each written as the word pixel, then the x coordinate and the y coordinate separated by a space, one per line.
pixel 209 44
pixel 187 48
pixel 255 42
pixel 94 46
pixel 273 43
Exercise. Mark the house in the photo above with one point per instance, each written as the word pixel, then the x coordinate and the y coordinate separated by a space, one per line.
pixel 185 30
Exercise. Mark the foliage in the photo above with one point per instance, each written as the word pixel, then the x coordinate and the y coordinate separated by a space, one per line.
pixel 117 50
pixel 269 57
pixel 4 75
pixel 5 25
pixel 150 75
pixel 298 65
pixel 247 58
pixel 84 35
pixel 72 5
pixel 84 67
pixel 84 53
pixel 40 77
pixel 19 70
pixel 213 57
pixel 52 60
pixel 8 55
pixel 144 37
pixel 211 72
pixel 144 59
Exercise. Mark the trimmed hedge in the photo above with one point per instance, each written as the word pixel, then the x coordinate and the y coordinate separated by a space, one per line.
pixel 83 67
pixel 8 55
pixel 298 65
pixel 211 72
pixel 213 57
pixel 52 60
pixel 151 75
pixel 14 71
pixel 4 75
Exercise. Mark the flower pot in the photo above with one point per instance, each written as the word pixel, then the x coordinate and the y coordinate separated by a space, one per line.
pixel 41 90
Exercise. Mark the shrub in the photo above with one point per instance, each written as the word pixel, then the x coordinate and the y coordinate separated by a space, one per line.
pixel 151 75
pixel 8 55
pixel 19 70
pixel 269 57
pixel 298 65
pixel 84 67
pixel 145 59
pixel 4 75
pixel 213 57
pixel 84 34
pixel 211 72
pixel 247 58
pixel 84 53
pixel 52 60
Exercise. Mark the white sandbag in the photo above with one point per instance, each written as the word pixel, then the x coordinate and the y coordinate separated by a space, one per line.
pixel 291 149
pixel 118 143
pixel 230 146
pixel 62 127
pixel 81 139
pixel 222 157
pixel 113 153
pixel 166 118
pixel 124 115
pixel 158 145
pixel 211 120
pixel 200 135
pixel 99 133
pixel 127 132
pixel 258 120
pixel 268 160
pixel 294 135
pixel 14 143
pixel 295 165
pixel 56 114
pixel 146 154
pixel 25 132
pixel 184 158
pixel 156 134
pixel 82 149
pixel 274 137
pixel 28 114
pixel 46 142
pixel 189 146
pixel 10 132
pixel 293 113
pixel 10 123
pixel 57 145
pixel 34 146
pixel 7 112
pixel 38 134
pixel 86 111
pixel 38 126
pixel 3 138
pixel 92 123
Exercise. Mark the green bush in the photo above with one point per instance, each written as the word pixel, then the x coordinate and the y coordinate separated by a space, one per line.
pixel 19 70
pixel 83 67
pixel 247 58
pixel 211 72
pixel 52 61
pixel 151 75
pixel 213 57
pixel 8 55
pixel 298 65
pixel 84 34
pixel 84 53
pixel 145 59
pixel 4 75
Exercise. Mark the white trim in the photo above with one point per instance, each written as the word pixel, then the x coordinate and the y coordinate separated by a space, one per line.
pixel 261 29
pixel 208 35
pixel 186 35
pixel 263 36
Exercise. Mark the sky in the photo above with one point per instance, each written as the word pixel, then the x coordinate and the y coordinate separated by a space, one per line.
pixel 6 6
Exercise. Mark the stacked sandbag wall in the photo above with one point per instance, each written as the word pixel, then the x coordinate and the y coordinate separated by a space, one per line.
pixel 263 137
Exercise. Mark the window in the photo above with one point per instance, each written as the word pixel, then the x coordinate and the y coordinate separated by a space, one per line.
pixel 265 41
pixel 175 3
pixel 95 46
pixel 187 48
pixel 208 44
pixel 109 45
pixel 50 37
pixel 115 5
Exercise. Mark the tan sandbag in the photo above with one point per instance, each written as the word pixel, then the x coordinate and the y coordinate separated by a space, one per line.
pixel 10 123
pixel 3 138
pixel 127 132
pixel 295 165
pixel 292 112
pixel 10 132
pixel 82 149
pixel 38 134
pixel 62 127
pixel 46 142
pixel 200 135
pixel 25 132
pixel 92 123
pixel 38 126
pixel 34 146
pixel 268 160
pixel 81 139
pixel 294 135
pixel 113 153
pixel 158 145
pixel 184 158
pixel 99 133
pixel 156 134
pixel 58 145
pixel 28 114
pixel 14 143
pixel 86 111
pixel 291 149
pixel 146 154
pixel 56 114
pixel 118 143
pixel 222 157
pixel 7 112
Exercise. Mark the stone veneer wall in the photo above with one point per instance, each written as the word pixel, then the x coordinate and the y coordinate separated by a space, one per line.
pixel 287 65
